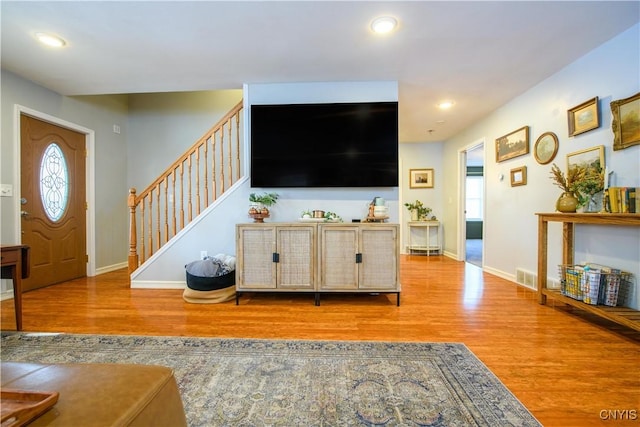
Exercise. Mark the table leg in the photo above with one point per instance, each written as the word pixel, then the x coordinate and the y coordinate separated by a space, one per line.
pixel 16 273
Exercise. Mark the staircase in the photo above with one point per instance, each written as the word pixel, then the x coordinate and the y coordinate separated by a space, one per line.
pixel 186 188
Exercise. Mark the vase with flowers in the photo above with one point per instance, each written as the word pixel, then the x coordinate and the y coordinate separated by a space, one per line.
pixel 567 202
pixel 589 189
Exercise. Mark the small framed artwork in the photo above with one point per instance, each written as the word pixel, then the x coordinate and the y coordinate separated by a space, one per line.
pixel 513 144
pixel 626 122
pixel 420 178
pixel 592 159
pixel 519 176
pixel 545 148
pixel 584 117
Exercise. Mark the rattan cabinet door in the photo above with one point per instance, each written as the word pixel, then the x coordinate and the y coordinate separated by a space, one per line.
pixel 295 266
pixel 338 249
pixel 254 264
pixel 379 267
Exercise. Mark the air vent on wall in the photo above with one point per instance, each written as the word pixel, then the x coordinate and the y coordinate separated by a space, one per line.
pixel 530 279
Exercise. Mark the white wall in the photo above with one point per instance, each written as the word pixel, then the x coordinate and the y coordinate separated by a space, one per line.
pixel 610 72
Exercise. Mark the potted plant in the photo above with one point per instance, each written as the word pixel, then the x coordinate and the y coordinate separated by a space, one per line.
pixel 587 189
pixel 419 212
pixel 260 203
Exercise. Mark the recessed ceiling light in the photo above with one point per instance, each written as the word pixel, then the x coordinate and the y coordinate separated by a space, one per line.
pixel 50 40
pixel 384 24
pixel 445 105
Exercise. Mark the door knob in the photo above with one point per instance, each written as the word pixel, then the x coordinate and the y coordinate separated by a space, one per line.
pixel 24 214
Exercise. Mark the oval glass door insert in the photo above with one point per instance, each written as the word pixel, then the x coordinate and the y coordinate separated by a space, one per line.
pixel 54 182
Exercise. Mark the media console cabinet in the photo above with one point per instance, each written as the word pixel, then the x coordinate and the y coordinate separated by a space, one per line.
pixel 317 258
pixel 621 315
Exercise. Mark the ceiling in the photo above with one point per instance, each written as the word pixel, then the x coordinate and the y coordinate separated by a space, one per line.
pixel 478 54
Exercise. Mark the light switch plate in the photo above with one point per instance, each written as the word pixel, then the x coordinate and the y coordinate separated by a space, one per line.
pixel 6 190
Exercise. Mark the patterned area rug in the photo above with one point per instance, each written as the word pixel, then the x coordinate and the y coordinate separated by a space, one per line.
pixel 238 382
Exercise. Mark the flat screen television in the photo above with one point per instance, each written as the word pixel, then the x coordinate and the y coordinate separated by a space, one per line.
pixel 325 145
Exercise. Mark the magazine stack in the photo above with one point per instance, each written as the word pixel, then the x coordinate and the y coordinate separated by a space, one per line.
pixel 596 284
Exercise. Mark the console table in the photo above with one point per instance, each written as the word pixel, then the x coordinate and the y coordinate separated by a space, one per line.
pixel 15 266
pixel 621 315
pixel 427 244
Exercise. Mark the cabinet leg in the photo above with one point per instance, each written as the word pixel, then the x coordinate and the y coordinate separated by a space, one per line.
pixel 317 299
pixel 398 299
pixel 237 297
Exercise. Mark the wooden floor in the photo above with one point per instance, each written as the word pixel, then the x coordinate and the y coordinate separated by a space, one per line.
pixel 566 367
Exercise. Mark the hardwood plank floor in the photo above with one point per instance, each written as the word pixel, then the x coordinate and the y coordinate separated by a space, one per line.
pixel 568 367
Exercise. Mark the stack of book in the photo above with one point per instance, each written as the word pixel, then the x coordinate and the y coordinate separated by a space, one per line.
pixel 621 200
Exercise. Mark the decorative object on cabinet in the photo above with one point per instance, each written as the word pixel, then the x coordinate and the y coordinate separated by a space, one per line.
pixel 622 200
pixel 419 212
pixel 584 117
pixel 567 202
pixel 377 211
pixel 621 315
pixel 260 203
pixel 589 190
pixel 421 178
pixel 626 122
pixel 513 144
pixel 589 166
pixel 519 176
pixel 546 148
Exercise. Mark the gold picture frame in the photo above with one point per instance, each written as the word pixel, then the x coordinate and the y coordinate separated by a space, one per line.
pixel 546 148
pixel 513 144
pixel 584 117
pixel 421 178
pixel 519 176
pixel 626 122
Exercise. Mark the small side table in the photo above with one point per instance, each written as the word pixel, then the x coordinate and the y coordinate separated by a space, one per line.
pixel 15 266
pixel 428 245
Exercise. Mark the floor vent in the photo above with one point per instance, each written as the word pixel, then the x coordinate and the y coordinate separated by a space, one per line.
pixel 530 280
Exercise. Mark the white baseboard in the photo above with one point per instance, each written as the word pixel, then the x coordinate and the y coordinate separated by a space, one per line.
pixel 501 274
pixel 153 284
pixel 6 295
pixel 111 268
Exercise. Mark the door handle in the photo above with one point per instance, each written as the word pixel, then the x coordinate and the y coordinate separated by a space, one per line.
pixel 24 214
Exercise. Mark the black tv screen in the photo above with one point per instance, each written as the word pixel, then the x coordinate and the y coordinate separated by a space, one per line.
pixel 325 145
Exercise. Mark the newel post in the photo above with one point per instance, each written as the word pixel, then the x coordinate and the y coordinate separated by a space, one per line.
pixel 133 235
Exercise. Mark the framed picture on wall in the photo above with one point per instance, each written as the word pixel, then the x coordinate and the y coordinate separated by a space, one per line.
pixel 592 159
pixel 584 117
pixel 519 176
pixel 546 148
pixel 626 122
pixel 420 178
pixel 513 144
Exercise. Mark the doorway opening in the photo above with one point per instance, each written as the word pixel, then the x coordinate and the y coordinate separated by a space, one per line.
pixel 472 203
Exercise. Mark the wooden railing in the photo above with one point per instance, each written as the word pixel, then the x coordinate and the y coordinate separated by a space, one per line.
pixel 185 189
